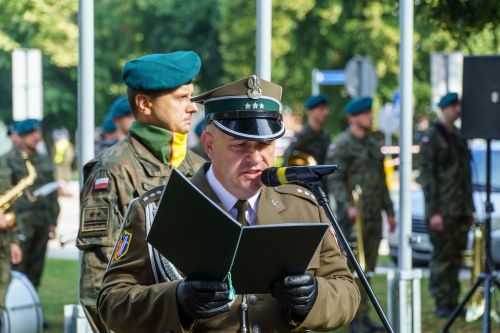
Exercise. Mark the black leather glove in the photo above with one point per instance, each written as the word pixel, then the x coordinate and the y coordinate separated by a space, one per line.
pixel 296 293
pixel 202 299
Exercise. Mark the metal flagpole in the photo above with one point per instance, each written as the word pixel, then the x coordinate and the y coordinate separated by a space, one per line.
pixel 405 302
pixel 264 28
pixel 78 322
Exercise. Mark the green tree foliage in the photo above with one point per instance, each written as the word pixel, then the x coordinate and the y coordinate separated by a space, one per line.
pixel 307 34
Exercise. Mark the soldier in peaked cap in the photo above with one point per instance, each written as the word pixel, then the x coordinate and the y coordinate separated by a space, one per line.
pixel 445 175
pixel 143 291
pixel 159 92
pixel 361 162
pixel 313 139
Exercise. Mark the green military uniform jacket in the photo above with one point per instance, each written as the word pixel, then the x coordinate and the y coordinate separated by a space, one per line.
pixel 121 173
pixel 139 289
pixel 361 163
pixel 309 142
pixel 32 210
pixel 445 173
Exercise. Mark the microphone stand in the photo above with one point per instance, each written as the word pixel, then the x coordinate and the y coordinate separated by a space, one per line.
pixel 317 188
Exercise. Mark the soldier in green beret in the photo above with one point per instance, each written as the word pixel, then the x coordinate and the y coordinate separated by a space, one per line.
pixel 313 139
pixel 445 175
pixel 122 116
pixel 36 213
pixel 143 292
pixel 159 92
pixel 357 152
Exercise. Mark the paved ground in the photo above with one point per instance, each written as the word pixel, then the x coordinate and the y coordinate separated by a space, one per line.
pixel 67 226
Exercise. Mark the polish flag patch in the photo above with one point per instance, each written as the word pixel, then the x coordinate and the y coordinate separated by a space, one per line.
pixel 101 184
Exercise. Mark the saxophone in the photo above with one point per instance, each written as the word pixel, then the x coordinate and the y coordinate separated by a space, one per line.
pixel 7 198
pixel 358 226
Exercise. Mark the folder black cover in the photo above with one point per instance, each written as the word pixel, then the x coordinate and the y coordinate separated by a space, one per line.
pixel 204 242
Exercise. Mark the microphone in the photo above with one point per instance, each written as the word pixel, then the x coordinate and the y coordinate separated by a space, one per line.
pixel 295 174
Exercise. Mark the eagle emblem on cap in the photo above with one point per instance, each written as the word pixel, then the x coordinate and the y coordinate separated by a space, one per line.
pixel 254 91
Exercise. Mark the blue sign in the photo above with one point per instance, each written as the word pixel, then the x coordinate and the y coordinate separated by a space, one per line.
pixel 331 77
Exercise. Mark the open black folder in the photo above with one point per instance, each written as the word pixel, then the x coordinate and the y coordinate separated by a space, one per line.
pixel 204 242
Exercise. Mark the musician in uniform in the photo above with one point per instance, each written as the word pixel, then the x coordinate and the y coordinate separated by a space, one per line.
pixel 10 251
pixel 36 215
pixel 357 152
pixel 143 291
pixel 159 92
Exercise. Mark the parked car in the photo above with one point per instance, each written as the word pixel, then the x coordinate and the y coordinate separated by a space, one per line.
pixel 422 247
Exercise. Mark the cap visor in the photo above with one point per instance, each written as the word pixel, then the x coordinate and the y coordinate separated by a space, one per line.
pixel 254 129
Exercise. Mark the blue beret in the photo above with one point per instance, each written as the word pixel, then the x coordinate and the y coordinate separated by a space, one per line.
pixel 358 105
pixel 448 99
pixel 200 127
pixel 12 127
pixel 120 108
pixel 161 71
pixel 27 126
pixel 108 125
pixel 315 100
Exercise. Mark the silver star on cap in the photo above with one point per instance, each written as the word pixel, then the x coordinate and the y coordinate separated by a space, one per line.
pixel 255 105
pixel 261 105
pixel 254 91
pixel 248 106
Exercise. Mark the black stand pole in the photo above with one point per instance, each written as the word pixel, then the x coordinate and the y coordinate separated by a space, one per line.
pixel 488 277
pixel 322 198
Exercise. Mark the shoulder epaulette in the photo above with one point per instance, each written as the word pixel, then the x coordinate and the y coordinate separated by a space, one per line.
pixel 152 195
pixel 297 191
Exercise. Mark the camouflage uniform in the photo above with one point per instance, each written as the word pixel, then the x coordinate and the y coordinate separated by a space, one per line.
pixel 6 238
pixel 34 215
pixel 309 142
pixel 361 163
pixel 445 175
pixel 129 169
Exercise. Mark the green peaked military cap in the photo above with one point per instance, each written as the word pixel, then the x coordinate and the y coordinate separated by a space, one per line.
pixel 248 109
pixel 358 105
pixel 27 126
pixel 120 107
pixel 448 99
pixel 161 71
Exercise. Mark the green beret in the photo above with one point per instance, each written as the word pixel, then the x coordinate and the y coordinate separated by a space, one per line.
pixel 448 99
pixel 120 108
pixel 200 127
pixel 358 105
pixel 315 100
pixel 161 71
pixel 27 126
pixel 108 125
pixel 248 109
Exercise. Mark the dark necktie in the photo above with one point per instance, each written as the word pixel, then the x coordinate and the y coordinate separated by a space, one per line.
pixel 242 206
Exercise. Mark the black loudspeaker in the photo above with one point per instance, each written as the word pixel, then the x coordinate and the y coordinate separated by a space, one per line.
pixel 481 97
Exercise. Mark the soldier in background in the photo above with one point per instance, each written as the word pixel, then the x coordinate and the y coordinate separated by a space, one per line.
pixel 445 175
pixel 36 215
pixel 108 135
pixel 122 116
pixel 198 148
pixel 357 152
pixel 10 251
pixel 312 139
pixel 159 92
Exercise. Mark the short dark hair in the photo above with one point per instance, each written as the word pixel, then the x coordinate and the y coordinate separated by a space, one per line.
pixel 132 93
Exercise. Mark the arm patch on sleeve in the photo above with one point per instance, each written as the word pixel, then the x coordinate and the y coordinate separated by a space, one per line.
pixel 95 219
